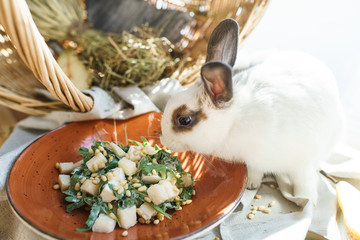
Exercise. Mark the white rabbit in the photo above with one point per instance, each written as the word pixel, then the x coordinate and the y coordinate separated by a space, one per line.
pixel 280 115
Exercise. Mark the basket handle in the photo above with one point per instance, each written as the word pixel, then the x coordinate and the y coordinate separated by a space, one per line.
pixel 16 18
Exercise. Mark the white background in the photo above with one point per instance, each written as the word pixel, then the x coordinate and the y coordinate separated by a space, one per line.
pixel 327 29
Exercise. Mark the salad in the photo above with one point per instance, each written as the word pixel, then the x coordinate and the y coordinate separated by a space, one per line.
pixel 124 185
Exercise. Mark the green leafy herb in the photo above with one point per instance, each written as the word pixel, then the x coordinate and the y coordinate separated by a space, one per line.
pixel 165 166
pixel 160 210
pixel 85 154
pixel 95 210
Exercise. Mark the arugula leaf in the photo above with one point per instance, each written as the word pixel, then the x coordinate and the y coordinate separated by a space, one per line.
pixel 75 205
pixel 135 142
pixel 85 154
pixel 69 193
pixel 95 210
pixel 136 198
pixel 72 199
pixel 112 164
pixel 75 179
pixel 157 148
pixel 146 167
pixel 145 141
pixel 165 158
pixel 87 171
pixel 187 193
pixel 125 148
pixel 159 210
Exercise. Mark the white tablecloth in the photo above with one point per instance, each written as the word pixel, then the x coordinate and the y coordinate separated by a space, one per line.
pixel 286 220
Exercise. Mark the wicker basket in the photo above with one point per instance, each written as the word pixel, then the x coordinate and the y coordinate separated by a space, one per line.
pixel 26 63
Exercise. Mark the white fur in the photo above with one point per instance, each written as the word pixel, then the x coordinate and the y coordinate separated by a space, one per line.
pixel 285 118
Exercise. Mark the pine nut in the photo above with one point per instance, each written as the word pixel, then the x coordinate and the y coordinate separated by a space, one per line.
pixel 78 194
pixel 56 186
pixel 97 151
pixel 250 216
pixel 110 206
pixel 272 186
pixel 128 193
pixel 94 174
pixel 115 188
pixel 104 153
pixel 91 151
pixel 255 208
pixel 135 180
pixel 129 178
pixel 266 210
pixel 77 187
pixel 156 221
pixel 109 176
pixel 137 185
pixel 142 189
pixel 194 192
pixel 103 178
pixel 57 165
pixel 177 198
pixel 261 208
pixel 126 186
pixel 79 197
pixel 125 233
pixel 154 172
pixel 83 180
pixel 111 158
pixel 178 209
pixel 101 148
pixel 154 160
pixel 121 189
pixel 271 203
pixel 253 212
pixel 141 220
pixel 112 216
pixel 147 199
pixel 160 216
pixel 257 196
pixel 188 201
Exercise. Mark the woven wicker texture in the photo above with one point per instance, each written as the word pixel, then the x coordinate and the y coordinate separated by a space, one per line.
pixel 26 63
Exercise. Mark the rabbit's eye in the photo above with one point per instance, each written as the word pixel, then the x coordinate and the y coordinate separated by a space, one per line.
pixel 185 120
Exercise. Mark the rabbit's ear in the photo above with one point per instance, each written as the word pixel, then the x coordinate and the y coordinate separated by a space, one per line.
pixel 221 55
pixel 217 78
pixel 223 42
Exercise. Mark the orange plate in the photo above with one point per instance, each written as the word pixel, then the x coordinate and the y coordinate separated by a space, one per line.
pixel 219 185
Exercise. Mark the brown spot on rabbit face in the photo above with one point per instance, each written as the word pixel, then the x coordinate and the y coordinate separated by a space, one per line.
pixel 185 119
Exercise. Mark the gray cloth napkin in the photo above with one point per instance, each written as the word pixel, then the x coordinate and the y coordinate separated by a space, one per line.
pixel 285 221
